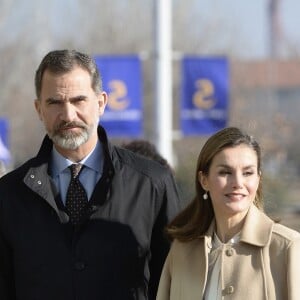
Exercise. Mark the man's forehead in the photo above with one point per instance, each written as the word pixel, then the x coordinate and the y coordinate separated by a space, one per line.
pixel 77 77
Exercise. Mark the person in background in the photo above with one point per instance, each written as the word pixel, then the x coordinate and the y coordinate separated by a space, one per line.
pixel 224 245
pixel 146 149
pixel 83 219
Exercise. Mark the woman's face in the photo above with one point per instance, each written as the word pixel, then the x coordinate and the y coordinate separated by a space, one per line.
pixel 232 181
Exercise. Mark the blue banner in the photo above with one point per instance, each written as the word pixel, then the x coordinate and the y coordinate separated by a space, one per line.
pixel 5 155
pixel 122 80
pixel 204 95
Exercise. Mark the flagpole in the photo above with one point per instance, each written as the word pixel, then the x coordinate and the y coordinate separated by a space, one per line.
pixel 163 79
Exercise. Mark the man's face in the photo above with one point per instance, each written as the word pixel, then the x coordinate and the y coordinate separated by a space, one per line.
pixel 70 109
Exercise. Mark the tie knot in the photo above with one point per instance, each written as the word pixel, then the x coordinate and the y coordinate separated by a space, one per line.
pixel 75 169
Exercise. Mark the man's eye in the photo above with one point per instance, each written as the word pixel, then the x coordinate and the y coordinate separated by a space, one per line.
pixel 79 99
pixel 52 102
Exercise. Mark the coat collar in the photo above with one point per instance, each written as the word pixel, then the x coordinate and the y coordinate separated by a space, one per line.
pixel 256 230
pixel 37 176
pixel 45 150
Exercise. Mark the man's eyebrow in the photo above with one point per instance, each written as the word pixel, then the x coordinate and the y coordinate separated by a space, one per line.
pixel 51 99
pixel 75 98
pixel 79 97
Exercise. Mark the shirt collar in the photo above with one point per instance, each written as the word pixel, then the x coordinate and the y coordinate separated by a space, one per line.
pixel 217 242
pixel 94 160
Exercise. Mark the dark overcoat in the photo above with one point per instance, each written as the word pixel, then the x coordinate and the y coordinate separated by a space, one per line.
pixel 118 251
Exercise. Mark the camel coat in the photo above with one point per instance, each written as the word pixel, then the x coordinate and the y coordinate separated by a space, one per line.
pixel 264 265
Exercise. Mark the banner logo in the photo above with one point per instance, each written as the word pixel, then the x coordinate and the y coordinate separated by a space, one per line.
pixel 122 80
pixel 204 95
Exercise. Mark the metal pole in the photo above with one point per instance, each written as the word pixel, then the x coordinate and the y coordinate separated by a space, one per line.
pixel 163 79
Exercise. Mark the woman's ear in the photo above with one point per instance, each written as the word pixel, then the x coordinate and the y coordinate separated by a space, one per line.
pixel 202 178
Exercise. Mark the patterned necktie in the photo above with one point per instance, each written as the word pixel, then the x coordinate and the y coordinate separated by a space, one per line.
pixel 76 199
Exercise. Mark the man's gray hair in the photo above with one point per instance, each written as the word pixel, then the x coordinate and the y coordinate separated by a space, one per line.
pixel 63 61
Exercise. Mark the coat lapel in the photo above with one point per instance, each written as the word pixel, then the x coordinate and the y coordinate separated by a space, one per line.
pixel 257 228
pixel 37 180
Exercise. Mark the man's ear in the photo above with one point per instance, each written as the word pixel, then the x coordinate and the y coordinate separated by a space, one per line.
pixel 102 101
pixel 37 105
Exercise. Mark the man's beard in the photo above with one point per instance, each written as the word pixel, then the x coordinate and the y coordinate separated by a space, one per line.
pixel 68 139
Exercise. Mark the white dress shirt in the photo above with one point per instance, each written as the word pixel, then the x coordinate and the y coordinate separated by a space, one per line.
pixel 213 290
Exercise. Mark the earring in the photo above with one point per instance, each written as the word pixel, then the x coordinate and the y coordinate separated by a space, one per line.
pixel 205 196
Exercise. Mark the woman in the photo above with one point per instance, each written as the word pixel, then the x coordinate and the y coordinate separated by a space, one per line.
pixel 224 246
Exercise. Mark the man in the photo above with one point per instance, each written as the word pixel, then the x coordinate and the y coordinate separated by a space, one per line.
pixel 110 243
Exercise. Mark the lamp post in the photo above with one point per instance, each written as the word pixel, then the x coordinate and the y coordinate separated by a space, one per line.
pixel 163 79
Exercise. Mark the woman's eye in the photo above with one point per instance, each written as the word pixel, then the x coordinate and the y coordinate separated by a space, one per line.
pixel 224 172
pixel 248 173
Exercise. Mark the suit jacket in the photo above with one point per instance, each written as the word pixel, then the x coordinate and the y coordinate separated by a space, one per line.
pixel 264 265
pixel 117 253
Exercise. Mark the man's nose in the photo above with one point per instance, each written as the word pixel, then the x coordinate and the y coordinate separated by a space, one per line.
pixel 68 112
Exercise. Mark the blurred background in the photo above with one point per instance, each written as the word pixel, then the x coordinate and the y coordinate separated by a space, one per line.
pixel 260 39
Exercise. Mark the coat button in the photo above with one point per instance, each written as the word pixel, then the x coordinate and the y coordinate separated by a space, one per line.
pixel 229 252
pixel 229 290
pixel 79 265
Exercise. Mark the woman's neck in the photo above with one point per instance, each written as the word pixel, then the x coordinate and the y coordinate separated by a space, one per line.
pixel 226 229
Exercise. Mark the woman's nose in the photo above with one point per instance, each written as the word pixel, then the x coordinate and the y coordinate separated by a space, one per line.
pixel 237 181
